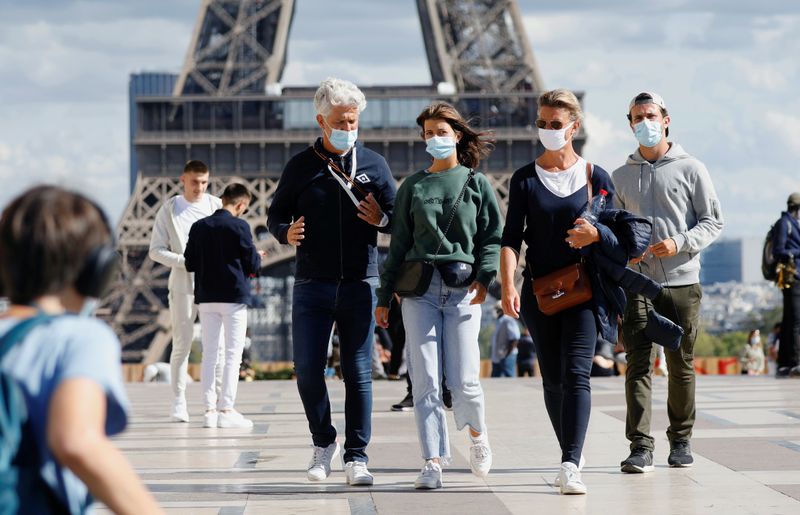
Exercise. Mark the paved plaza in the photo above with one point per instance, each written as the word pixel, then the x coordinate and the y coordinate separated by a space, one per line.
pixel 746 446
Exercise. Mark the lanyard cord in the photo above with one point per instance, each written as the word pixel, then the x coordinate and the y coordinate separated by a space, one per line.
pixel 338 172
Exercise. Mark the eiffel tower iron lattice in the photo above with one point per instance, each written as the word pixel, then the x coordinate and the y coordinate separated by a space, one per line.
pixel 222 111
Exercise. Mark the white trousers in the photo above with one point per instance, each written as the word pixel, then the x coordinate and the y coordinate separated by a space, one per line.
pixel 183 312
pixel 230 320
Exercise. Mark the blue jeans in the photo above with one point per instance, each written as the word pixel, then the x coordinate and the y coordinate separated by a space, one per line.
pixel 442 337
pixel 506 367
pixel 565 344
pixel 316 306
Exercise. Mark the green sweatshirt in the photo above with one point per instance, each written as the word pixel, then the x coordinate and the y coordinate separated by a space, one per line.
pixel 422 209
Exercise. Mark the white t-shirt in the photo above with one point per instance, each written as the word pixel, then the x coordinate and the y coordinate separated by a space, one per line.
pixel 566 182
pixel 187 213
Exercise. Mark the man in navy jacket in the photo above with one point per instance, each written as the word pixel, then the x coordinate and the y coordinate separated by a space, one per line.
pixel 787 250
pixel 221 253
pixel 332 200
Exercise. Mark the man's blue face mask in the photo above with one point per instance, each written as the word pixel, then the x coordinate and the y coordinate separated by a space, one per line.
pixel 648 132
pixel 342 140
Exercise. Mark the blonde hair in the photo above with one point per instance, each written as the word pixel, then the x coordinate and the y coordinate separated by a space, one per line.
pixel 564 99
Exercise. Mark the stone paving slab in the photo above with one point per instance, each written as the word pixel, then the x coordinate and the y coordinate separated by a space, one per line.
pixel 746 445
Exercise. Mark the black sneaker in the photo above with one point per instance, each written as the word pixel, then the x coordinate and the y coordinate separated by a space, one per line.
pixel 680 454
pixel 795 371
pixel 407 404
pixel 639 462
pixel 447 399
pixel 783 372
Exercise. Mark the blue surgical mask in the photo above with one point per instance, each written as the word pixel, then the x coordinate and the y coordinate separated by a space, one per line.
pixel 342 140
pixel 648 132
pixel 441 147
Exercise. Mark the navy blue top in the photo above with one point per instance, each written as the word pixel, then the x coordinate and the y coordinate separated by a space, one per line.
pixel 787 239
pixel 221 253
pixel 338 245
pixel 541 219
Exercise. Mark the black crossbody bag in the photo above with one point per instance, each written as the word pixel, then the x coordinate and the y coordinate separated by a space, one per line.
pixel 414 277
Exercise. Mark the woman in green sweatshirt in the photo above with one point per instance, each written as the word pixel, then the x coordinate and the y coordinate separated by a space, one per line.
pixel 442 325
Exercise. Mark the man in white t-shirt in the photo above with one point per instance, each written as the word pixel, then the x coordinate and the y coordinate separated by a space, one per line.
pixel 167 245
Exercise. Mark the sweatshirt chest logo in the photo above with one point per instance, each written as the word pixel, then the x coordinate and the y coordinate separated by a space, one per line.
pixel 362 178
pixel 438 200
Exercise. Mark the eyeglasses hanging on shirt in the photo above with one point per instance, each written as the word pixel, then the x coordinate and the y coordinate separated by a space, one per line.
pixel 345 180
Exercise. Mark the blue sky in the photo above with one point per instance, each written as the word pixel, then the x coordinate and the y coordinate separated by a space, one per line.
pixel 727 70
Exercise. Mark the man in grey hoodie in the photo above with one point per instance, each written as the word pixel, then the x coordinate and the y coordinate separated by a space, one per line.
pixel 673 190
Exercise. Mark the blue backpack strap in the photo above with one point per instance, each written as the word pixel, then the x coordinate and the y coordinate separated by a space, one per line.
pixel 17 333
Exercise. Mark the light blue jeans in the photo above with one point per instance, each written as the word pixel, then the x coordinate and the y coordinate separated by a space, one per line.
pixel 442 337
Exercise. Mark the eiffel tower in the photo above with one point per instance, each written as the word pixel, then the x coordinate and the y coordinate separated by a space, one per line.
pixel 226 108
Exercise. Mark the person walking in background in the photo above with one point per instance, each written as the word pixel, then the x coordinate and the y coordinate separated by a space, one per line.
pixel 787 252
pixel 773 344
pixel 504 343
pixel 526 354
pixel 332 200
pixel 751 356
pixel 447 215
pixel 673 190
pixel 221 253
pixel 56 257
pixel 546 198
pixel 167 245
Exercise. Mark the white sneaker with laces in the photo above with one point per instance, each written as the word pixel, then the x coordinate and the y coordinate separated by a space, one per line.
pixel 179 412
pixel 357 474
pixel 320 466
pixel 430 477
pixel 557 480
pixel 233 419
pixel 570 479
pixel 210 418
pixel 480 455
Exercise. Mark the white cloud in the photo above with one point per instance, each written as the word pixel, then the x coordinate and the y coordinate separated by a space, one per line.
pixel 786 127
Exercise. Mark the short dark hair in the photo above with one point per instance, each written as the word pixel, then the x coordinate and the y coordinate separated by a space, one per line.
pixel 234 193
pixel 195 166
pixel 46 236
pixel 642 98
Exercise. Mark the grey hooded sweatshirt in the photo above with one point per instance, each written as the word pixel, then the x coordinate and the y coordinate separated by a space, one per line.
pixel 676 194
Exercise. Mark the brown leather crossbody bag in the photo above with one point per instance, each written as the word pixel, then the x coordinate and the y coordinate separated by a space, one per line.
pixel 568 286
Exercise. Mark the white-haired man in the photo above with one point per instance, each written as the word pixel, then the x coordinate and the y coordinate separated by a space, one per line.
pixel 331 201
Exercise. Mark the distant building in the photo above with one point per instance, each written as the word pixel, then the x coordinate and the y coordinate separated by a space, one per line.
pixel 737 260
pixel 140 85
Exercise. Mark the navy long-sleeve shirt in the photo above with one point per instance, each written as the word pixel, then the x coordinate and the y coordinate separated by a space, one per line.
pixel 337 245
pixel 541 219
pixel 221 253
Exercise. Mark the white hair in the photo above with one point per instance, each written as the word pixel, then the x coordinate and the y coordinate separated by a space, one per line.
pixel 337 92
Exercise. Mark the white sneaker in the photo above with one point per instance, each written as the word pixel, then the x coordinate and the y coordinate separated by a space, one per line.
pixel 430 477
pixel 320 466
pixel 210 418
pixel 233 419
pixel 179 411
pixel 357 474
pixel 557 480
pixel 480 455
pixel 570 479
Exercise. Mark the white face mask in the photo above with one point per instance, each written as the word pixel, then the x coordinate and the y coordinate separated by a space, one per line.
pixel 554 139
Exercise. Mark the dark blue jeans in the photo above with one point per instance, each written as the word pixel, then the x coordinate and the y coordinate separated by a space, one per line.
pixel 316 306
pixel 565 345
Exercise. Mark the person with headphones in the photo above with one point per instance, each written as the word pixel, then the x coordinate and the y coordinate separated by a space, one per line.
pixel 167 245
pixel 56 258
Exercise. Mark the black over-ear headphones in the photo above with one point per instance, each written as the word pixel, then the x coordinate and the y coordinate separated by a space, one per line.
pixel 101 266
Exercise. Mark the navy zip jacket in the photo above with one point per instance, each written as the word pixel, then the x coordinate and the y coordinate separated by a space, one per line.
pixel 221 253
pixel 623 236
pixel 337 245
pixel 787 240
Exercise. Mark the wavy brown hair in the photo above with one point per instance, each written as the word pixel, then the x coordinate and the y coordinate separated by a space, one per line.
pixel 473 145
